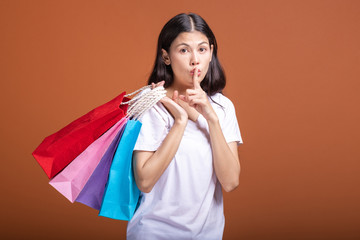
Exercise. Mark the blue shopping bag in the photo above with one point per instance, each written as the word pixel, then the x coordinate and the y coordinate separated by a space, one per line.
pixel 121 193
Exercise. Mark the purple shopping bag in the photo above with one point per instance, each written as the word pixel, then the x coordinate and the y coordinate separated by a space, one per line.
pixel 92 194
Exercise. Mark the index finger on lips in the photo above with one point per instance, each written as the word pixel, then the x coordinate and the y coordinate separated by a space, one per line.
pixel 196 79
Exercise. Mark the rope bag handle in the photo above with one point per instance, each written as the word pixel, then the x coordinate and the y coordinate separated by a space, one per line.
pixel 143 101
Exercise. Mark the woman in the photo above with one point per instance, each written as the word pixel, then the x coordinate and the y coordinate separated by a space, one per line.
pixel 187 148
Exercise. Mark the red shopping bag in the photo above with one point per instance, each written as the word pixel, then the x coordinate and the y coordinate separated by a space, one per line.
pixel 59 149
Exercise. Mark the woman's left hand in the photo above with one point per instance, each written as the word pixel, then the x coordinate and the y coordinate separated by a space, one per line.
pixel 198 99
pixel 225 155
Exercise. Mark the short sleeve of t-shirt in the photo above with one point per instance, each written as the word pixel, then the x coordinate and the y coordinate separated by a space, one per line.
pixel 153 129
pixel 227 117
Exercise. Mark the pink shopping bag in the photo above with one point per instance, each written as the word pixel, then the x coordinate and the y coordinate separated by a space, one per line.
pixel 72 179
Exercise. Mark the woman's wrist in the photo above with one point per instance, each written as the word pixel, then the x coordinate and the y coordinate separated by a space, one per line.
pixel 181 121
pixel 212 118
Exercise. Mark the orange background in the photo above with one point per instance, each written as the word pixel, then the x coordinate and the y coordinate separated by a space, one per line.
pixel 293 70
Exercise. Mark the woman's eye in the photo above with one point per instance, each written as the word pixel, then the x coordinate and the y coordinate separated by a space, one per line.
pixel 183 50
pixel 202 49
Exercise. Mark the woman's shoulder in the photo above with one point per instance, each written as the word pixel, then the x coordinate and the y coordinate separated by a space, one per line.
pixel 157 115
pixel 221 99
pixel 155 112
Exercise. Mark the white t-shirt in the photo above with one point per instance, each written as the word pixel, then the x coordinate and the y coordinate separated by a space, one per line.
pixel 186 202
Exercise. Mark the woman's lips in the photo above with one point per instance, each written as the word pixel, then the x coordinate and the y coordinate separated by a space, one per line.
pixel 192 72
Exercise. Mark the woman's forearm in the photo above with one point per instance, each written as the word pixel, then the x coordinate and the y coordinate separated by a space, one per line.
pixel 226 161
pixel 149 166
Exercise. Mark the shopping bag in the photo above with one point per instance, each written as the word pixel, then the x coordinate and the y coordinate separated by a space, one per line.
pixel 72 179
pixel 121 194
pixel 92 194
pixel 59 149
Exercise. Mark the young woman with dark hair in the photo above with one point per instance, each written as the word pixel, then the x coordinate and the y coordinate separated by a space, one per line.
pixel 214 80
pixel 186 152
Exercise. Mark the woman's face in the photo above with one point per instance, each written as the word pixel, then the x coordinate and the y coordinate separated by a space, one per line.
pixel 188 51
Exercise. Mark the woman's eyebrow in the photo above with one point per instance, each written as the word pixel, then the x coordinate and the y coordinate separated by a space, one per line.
pixel 185 44
pixel 203 43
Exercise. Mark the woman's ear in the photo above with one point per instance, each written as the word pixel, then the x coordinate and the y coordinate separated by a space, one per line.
pixel 165 57
pixel 211 51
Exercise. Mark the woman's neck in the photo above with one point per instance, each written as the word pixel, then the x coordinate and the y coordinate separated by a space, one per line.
pixel 181 90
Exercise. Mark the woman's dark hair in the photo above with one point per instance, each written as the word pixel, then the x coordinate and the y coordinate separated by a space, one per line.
pixel 214 80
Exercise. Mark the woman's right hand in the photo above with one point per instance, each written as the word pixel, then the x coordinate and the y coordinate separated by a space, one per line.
pixel 150 165
pixel 155 85
pixel 172 105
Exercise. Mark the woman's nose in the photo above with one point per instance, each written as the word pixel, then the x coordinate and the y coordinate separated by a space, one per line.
pixel 194 60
